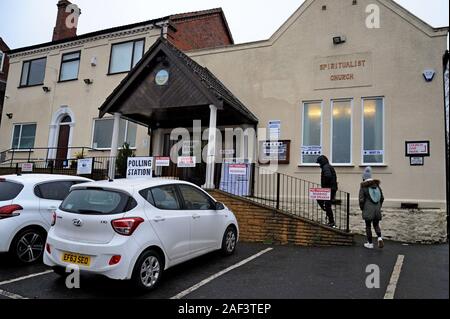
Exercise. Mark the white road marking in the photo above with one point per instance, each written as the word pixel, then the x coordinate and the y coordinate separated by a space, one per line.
pixel 211 278
pixel 390 291
pixel 25 277
pixel 10 295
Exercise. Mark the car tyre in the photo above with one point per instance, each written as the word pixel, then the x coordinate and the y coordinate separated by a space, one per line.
pixel 28 246
pixel 148 270
pixel 229 241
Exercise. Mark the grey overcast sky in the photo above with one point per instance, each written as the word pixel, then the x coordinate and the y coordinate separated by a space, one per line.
pixel 28 22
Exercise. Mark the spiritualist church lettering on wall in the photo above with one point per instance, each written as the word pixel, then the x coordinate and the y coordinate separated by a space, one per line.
pixel 343 71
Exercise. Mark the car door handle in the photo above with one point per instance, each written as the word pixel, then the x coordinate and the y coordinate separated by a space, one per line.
pixel 52 208
pixel 196 216
pixel 158 219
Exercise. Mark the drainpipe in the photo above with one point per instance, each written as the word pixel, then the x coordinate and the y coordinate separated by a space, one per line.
pixel 447 153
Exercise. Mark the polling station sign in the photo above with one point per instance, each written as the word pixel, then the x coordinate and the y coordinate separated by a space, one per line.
pixel 320 193
pixel 139 167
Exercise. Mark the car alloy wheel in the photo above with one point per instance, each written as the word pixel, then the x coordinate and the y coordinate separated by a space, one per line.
pixel 150 272
pixel 229 241
pixel 30 246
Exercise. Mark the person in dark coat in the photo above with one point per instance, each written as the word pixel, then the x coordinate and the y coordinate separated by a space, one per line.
pixel 328 180
pixel 371 200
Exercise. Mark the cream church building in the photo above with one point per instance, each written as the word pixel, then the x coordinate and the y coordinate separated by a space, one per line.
pixel 360 81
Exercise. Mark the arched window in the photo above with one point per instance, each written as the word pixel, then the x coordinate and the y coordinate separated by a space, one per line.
pixel 66 119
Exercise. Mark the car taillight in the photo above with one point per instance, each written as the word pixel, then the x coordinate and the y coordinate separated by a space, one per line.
pixel 115 260
pixel 53 219
pixel 126 226
pixel 10 211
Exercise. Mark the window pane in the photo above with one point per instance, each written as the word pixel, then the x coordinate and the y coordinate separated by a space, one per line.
pixel 131 134
pixel 25 68
pixel 1 60
pixel 103 130
pixel 101 202
pixel 69 70
pixel 9 190
pixel 16 136
pixel 37 72
pixel 342 130
pixel 165 198
pixel 138 51
pixel 28 136
pixel 373 131
pixel 121 57
pixel 55 190
pixel 312 120
pixel 195 199
pixel 71 56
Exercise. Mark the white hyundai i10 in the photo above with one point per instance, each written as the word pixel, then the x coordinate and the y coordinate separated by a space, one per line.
pixel 136 229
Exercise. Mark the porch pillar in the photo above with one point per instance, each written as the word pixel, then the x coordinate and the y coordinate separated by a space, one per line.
pixel 114 146
pixel 211 160
pixel 157 148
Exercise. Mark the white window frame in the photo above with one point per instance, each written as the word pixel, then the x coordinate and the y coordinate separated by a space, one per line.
pixel 302 130
pixel 109 148
pixel 351 100
pixel 363 163
pixel 20 136
pixel 2 62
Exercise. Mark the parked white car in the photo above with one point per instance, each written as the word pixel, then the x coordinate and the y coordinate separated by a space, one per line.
pixel 136 229
pixel 27 203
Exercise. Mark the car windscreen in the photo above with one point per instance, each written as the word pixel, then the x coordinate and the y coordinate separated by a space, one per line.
pixel 97 202
pixel 9 190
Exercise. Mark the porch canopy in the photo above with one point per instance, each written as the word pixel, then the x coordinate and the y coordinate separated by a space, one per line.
pixel 167 89
pixel 146 98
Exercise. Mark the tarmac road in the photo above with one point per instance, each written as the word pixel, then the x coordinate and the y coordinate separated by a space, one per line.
pixel 283 272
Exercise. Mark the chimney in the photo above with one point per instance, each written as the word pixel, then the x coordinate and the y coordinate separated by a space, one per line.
pixel 65 28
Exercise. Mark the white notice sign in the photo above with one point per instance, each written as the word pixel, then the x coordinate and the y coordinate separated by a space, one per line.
pixel 320 193
pixel 186 161
pixel 139 167
pixel 27 167
pixel 162 161
pixel 84 166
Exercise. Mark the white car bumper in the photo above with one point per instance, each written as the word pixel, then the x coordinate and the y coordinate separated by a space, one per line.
pixel 100 255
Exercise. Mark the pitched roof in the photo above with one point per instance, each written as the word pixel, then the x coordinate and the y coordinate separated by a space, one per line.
pixel 171 18
pixel 210 83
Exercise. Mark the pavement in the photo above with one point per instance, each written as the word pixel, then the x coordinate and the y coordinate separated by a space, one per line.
pixel 258 271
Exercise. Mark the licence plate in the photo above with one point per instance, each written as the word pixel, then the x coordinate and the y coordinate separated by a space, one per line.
pixel 76 259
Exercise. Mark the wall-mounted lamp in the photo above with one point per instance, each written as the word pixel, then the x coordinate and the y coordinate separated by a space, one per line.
pixel 9 115
pixel 339 39
pixel 46 89
pixel 88 81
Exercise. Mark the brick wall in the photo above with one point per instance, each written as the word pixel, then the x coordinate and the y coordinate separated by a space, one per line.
pixel 61 31
pixel 260 224
pixel 205 29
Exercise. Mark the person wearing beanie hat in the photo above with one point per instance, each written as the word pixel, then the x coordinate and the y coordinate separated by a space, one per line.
pixel 367 173
pixel 371 200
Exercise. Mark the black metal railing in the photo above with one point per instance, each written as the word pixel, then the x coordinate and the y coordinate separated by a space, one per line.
pixel 287 194
pixel 100 167
pixel 40 153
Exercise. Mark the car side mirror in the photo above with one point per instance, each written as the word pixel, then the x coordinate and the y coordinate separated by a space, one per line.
pixel 220 206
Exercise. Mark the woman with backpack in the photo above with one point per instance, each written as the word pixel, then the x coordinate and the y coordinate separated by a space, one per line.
pixel 370 201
